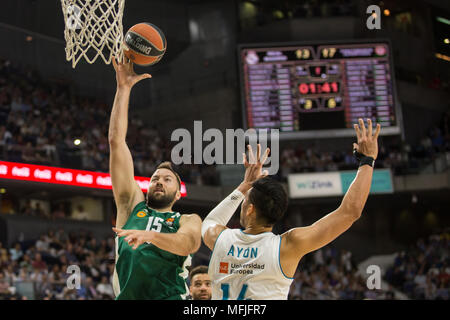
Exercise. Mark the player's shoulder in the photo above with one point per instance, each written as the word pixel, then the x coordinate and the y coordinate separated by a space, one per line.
pixel 190 217
pixel 294 236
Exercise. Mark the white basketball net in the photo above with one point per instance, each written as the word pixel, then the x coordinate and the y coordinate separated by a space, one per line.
pixel 93 28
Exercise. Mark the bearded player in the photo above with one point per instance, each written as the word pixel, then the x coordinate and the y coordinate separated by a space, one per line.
pixel 153 243
pixel 253 263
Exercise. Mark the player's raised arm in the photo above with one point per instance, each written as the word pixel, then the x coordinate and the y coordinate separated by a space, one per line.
pixel 299 241
pixel 125 189
pixel 218 218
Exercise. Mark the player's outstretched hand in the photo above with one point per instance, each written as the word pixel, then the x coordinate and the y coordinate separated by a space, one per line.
pixel 253 166
pixel 367 141
pixel 134 237
pixel 125 75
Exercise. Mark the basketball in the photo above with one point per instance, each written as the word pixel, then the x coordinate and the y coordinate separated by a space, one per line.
pixel 146 44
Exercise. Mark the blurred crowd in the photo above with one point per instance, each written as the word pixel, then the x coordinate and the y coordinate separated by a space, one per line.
pixel 326 274
pixel 43 264
pixel 40 123
pixel 400 158
pixel 46 123
pixel 423 271
pixel 331 274
pixel 60 210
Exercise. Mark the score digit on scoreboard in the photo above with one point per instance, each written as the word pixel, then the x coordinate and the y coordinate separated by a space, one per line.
pixel 317 87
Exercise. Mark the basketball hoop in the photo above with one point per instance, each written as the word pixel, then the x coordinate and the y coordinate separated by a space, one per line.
pixel 93 28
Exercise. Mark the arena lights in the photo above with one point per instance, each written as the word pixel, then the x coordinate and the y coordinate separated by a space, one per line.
pixel 72 177
pixel 443 20
pixel 442 56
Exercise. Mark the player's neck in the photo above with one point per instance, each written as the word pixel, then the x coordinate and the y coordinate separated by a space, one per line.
pixel 162 210
pixel 256 229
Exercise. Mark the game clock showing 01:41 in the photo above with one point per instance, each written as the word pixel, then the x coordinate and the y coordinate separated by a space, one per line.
pixel 317 88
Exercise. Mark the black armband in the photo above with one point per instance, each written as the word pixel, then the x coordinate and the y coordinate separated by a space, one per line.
pixel 363 159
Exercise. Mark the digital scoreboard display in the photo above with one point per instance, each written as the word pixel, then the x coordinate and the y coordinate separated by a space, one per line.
pixel 318 90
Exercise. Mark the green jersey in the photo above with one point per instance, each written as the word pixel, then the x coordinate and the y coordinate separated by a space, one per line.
pixel 149 273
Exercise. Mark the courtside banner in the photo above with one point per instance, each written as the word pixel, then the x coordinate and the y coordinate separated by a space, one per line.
pixel 54 175
pixel 311 185
pixel 381 181
pixel 326 184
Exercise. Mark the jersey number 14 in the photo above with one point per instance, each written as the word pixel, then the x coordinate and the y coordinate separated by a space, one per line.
pixel 226 291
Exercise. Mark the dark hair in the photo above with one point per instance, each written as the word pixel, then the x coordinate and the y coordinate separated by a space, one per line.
pixel 269 198
pixel 168 165
pixel 197 270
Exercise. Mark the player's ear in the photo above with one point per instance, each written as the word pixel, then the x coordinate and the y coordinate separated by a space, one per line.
pixel 250 209
pixel 178 195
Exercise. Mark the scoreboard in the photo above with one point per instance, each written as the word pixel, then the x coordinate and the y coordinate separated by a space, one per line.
pixel 318 90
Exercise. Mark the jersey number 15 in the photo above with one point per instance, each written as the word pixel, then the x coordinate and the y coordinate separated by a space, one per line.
pixel 155 224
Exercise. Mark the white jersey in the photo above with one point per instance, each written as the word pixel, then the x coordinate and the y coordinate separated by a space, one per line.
pixel 246 266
